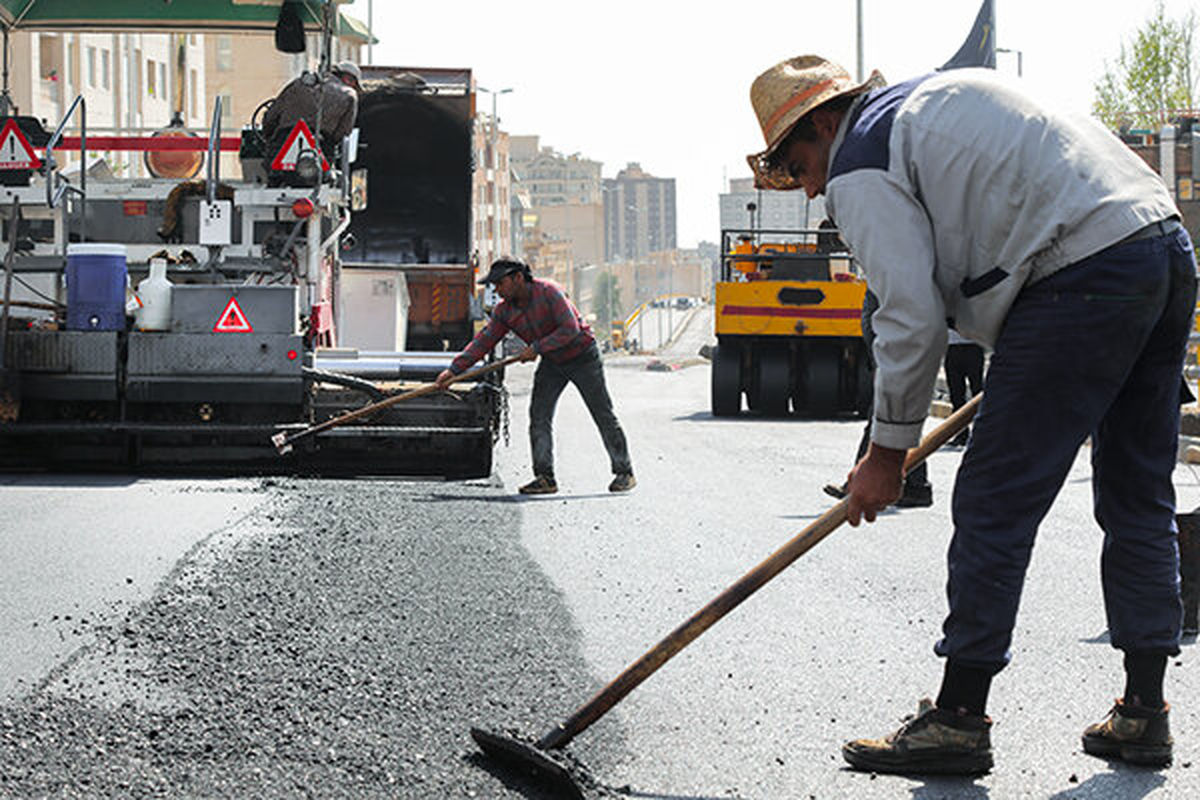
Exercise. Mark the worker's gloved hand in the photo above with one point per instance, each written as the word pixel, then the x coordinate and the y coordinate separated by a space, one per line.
pixel 443 379
pixel 528 354
pixel 875 483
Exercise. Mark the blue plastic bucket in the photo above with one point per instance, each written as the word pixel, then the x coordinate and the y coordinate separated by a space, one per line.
pixel 96 281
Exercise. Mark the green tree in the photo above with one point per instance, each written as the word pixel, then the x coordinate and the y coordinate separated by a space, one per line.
pixel 606 299
pixel 1153 76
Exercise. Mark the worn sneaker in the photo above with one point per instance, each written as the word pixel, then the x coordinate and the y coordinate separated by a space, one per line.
pixel 933 742
pixel 835 491
pixel 1135 734
pixel 623 482
pixel 915 497
pixel 542 484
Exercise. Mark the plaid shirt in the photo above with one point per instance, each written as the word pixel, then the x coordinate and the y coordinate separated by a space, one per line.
pixel 549 322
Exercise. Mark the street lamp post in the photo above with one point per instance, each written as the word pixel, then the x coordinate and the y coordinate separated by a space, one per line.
pixel 495 237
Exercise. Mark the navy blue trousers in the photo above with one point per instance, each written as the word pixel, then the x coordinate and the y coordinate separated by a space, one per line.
pixel 1097 350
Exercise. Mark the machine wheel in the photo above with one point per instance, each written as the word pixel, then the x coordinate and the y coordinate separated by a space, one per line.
pixel 773 384
pixel 726 380
pixel 821 382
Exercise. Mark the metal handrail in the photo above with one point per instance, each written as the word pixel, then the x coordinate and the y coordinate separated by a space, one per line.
pixel 214 165
pixel 55 186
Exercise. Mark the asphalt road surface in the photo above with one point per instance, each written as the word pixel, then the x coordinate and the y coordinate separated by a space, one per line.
pixel 339 638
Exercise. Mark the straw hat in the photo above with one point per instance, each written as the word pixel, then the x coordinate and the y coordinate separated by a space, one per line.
pixel 782 95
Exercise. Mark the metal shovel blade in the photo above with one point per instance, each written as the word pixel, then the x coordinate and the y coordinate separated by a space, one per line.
pixel 528 759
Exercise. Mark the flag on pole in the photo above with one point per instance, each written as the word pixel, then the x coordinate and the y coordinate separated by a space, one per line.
pixel 979 50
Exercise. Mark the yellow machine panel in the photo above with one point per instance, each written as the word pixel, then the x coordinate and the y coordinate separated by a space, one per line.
pixel 789 325
pixel 790 308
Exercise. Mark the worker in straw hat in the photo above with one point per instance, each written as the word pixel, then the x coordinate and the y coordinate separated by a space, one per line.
pixel 1046 239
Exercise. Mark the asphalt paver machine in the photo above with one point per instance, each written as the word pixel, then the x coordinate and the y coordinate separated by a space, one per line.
pixel 249 342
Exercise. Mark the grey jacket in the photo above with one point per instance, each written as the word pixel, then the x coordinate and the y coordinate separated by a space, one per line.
pixel 954 191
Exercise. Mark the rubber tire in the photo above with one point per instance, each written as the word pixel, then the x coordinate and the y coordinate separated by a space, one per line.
pixel 822 382
pixel 773 383
pixel 726 380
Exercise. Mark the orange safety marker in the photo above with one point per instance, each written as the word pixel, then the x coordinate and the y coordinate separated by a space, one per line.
pixel 233 319
pixel 15 152
pixel 285 159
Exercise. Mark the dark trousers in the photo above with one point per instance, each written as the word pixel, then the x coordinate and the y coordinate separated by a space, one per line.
pixel 586 371
pixel 964 365
pixel 1094 350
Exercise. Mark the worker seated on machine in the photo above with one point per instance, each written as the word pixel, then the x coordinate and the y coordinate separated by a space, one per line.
pixel 337 97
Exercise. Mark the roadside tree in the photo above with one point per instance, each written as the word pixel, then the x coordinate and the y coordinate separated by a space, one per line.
pixel 1154 76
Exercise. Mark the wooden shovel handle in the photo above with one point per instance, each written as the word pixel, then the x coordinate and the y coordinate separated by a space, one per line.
pixel 729 599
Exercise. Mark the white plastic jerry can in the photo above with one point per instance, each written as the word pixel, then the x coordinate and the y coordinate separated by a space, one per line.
pixel 154 292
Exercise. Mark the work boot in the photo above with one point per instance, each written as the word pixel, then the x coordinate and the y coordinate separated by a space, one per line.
pixel 1135 734
pixel 916 497
pixel 933 742
pixel 542 484
pixel 623 482
pixel 835 491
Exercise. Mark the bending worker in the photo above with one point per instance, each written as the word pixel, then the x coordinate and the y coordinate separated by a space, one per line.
pixel 1044 238
pixel 539 312
pixel 336 96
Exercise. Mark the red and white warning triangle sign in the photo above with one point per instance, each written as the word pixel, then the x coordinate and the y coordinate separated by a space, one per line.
pixel 285 159
pixel 15 152
pixel 232 319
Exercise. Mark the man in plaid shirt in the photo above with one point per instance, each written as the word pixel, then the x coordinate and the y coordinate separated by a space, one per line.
pixel 539 312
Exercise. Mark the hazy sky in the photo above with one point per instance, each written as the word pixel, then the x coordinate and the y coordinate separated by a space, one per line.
pixel 666 84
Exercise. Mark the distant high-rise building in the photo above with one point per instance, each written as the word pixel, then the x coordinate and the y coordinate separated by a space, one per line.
pixel 639 214
pixel 771 210
pixel 564 195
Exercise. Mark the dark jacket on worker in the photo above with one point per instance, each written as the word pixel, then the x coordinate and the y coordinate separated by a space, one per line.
pixel 300 99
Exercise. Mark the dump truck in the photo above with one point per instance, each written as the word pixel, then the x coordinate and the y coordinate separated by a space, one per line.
pixel 416 125
pixel 788 326
pixel 259 338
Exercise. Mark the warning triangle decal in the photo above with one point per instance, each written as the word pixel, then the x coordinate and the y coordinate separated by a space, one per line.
pixel 286 158
pixel 15 152
pixel 232 319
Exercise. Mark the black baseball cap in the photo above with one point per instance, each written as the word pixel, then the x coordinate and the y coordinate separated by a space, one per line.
pixel 505 266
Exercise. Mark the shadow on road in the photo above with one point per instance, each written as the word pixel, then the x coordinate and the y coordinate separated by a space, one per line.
pixel 516 498
pixel 941 788
pixel 68 481
pixel 1126 782
pixel 707 416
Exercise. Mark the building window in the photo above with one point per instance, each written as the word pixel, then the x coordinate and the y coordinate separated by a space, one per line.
pixel 106 68
pixel 91 66
pixel 162 80
pixel 193 100
pixel 226 107
pixel 151 78
pixel 224 52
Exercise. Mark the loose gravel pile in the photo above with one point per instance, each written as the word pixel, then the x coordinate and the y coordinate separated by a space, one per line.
pixel 338 643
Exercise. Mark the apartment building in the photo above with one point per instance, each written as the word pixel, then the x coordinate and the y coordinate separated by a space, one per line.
pixel 132 83
pixel 565 195
pixel 639 214
pixel 745 208
pixel 493 201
